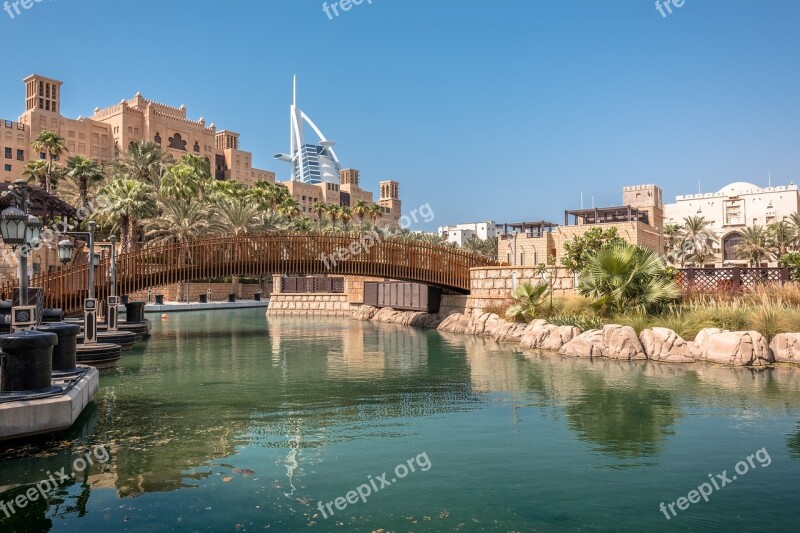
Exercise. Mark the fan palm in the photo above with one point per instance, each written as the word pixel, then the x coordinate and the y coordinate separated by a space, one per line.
pixel 527 298
pixel 53 145
pixel 345 215
pixel 622 277
pixel 127 202
pixel 754 246
pixel 84 173
pixel 361 209
pixel 178 221
pixel 290 208
pixel 144 161
pixel 236 216
pixel 318 209
pixel 782 236
pixel 182 181
pixel 36 171
pixel 698 239
pixel 375 213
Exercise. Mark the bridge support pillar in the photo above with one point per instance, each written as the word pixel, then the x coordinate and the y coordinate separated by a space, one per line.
pixel 276 284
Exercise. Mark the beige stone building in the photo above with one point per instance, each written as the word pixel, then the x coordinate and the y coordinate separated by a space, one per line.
pixel 640 221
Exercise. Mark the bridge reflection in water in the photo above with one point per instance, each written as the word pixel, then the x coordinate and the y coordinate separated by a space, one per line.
pixel 259 254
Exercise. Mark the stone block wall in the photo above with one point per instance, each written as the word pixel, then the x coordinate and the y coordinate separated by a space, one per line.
pixel 452 303
pixel 332 305
pixel 493 285
pixel 219 292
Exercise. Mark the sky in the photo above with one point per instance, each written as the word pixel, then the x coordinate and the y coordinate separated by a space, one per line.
pixel 505 110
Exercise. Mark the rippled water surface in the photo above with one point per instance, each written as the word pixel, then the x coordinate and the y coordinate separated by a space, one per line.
pixel 225 421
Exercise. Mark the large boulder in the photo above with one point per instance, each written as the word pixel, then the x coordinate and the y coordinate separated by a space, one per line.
pixel 736 348
pixel 613 341
pixel 510 332
pixel 664 345
pixel 365 312
pixel 455 323
pixel 621 342
pixel 425 320
pixel 543 336
pixel 483 324
pixel 587 344
pixel 786 347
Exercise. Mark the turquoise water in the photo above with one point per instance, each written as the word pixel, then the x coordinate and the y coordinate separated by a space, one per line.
pixel 225 421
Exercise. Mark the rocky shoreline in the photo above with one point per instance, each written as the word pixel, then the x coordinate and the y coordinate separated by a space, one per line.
pixel 730 348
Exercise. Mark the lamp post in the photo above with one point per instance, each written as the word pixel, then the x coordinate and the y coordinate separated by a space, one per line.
pixel 113 300
pixel 20 231
pixel 65 249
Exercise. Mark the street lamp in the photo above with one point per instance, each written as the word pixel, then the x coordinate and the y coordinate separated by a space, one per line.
pixel 65 249
pixel 113 299
pixel 20 229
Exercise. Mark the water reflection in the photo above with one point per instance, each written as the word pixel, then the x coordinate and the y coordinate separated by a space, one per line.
pixel 217 398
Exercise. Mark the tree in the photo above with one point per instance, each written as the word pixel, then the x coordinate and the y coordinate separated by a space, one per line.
pixel 375 213
pixel 84 173
pixel 782 236
pixel 53 145
pixel 527 298
pixel 236 216
pixel 178 221
pixel 290 208
pixel 202 168
pixel 36 171
pixel 622 277
pixel 582 248
pixel 144 161
pixel 345 215
pixel 361 210
pixel 754 246
pixel 333 213
pixel 698 240
pixel 182 181
pixel 319 210
pixel 673 238
pixel 128 201
pixel 486 248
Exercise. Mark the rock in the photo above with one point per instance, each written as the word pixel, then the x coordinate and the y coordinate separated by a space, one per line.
pixel 365 312
pixel 425 320
pixel 621 342
pixel 587 344
pixel 786 347
pixel 482 324
pixel 737 348
pixel 510 332
pixel 705 334
pixel 543 336
pixel 666 346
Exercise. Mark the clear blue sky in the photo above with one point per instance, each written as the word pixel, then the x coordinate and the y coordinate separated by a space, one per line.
pixel 501 109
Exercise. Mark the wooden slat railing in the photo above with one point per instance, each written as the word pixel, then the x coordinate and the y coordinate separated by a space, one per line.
pixel 257 254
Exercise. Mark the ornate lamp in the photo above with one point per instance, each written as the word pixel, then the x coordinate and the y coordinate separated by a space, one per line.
pixel 33 231
pixel 14 226
pixel 65 249
pixel 95 259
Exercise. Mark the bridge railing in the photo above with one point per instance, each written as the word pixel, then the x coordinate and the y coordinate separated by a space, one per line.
pixel 256 254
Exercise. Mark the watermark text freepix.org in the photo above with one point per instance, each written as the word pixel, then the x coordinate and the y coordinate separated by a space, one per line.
pixel 375 484
pixel 14 7
pixel 332 10
pixel 704 490
pixel 43 488
pixel 665 6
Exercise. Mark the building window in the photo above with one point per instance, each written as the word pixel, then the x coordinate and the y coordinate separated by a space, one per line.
pixel 20 155
pixel 42 155
pixel 7 168
pixel 8 153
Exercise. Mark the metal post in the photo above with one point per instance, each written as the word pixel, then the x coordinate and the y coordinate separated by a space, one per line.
pixel 23 250
pixel 92 227
pixel 113 266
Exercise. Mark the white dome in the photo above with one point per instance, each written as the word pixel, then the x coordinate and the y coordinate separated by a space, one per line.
pixel 737 188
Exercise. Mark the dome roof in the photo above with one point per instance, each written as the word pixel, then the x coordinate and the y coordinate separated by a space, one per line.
pixel 739 187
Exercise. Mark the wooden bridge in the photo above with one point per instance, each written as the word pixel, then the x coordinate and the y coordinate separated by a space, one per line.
pixel 254 255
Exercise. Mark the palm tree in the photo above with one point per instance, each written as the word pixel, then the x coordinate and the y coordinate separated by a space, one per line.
pixel 178 221
pixel 673 237
pixel 698 239
pixel 36 171
pixel 128 201
pixel 304 225
pixel 375 213
pixel 182 181
pixel 782 236
pixel 361 209
pixel 526 298
pixel 236 216
pixel 486 248
pixel 754 246
pixel 53 145
pixel 345 215
pixel 144 161
pixel 271 222
pixel 333 214
pixel 202 168
pixel 84 173
pixel 290 208
pixel 622 277
pixel 429 238
pixel 319 209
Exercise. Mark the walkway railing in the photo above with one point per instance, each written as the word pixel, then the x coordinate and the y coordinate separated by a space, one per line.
pixel 729 279
pixel 253 255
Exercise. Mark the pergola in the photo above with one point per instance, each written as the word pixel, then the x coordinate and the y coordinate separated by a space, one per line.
pixel 606 215
pixel 533 229
pixel 40 203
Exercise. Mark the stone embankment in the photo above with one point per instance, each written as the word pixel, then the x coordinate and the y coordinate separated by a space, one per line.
pixel 731 348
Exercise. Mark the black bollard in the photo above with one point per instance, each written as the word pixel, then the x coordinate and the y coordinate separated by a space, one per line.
pixel 257 297
pixel 64 351
pixel 134 312
pixel 232 297
pixel 27 361
pixel 203 298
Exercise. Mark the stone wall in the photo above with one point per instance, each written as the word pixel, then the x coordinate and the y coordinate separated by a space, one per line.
pixel 219 292
pixel 327 304
pixel 492 286
pixel 452 303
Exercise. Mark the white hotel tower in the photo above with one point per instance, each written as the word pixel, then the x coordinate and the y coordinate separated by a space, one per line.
pixel 311 163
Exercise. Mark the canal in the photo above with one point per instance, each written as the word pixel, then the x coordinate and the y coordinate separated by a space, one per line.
pixel 227 421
